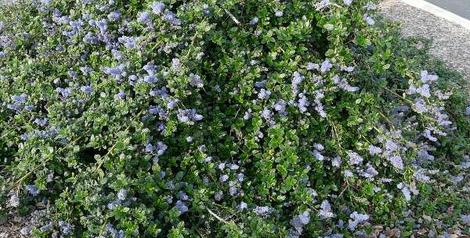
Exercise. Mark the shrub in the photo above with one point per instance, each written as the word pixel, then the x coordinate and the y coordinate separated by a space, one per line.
pixel 216 118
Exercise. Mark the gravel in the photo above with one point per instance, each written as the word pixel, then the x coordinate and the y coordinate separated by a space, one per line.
pixel 12 227
pixel 451 42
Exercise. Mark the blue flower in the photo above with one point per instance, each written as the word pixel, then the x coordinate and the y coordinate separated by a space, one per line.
pixel 33 190
pixel 348 69
pixel 161 148
pixel 260 84
pixel 121 95
pixel 303 103
pixel 319 106
pixel 86 89
pixel 233 166
pixel 102 25
pixel 14 200
pixel 150 79
pixel 196 81
pixel 370 172
pixel 370 21
pixel 149 148
pixel 117 72
pixel 254 21
pixel 264 94
pixel 64 92
pixel 420 105
pixel 86 70
pixel 325 210
pixel 396 162
pixel 113 232
pixel 326 66
pixel 266 114
pixel 24 136
pixel 218 196
pixel 391 146
pixel 354 158
pixel 181 206
pixel 133 79
pixel 240 177
pixel 128 42
pixel 336 162
pixel 233 190
pixel 76 25
pixel 150 68
pixel 206 9
pixel 356 219
pixel 424 91
pixel 423 154
pixel 242 206
pixel 158 7
pixel 426 77
pixel 114 16
pixel 113 205
pixel 172 103
pixel 247 115
pixel 465 219
pixel 19 99
pixel 317 154
pixel 176 64
pixel 323 4
pixel 172 18
pixel 312 66
pixel 428 134
pixel 188 115
pixel 343 84
pixel 374 150
pixel 296 81
pixel 183 196
pixel 90 38
pixel 41 121
pixel 122 194
pixel 223 178
pixel 280 107
pixel 65 228
pixel 144 18
pixel 262 210
pixel 299 221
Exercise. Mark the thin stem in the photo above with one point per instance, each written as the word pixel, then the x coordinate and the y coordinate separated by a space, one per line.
pixel 232 16
pixel 216 216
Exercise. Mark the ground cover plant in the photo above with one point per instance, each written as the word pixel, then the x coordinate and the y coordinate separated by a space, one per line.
pixel 210 118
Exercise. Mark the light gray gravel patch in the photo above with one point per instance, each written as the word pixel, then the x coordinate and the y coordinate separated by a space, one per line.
pixel 12 227
pixel 451 42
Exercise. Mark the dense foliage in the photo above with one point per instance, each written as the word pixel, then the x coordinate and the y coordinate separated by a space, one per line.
pixel 187 118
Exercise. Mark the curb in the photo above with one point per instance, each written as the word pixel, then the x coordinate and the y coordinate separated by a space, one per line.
pixel 440 12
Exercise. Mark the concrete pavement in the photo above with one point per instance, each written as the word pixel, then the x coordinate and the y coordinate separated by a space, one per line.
pixel 451 41
pixel 459 7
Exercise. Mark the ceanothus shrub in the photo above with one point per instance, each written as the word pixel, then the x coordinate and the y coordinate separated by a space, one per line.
pixel 187 118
